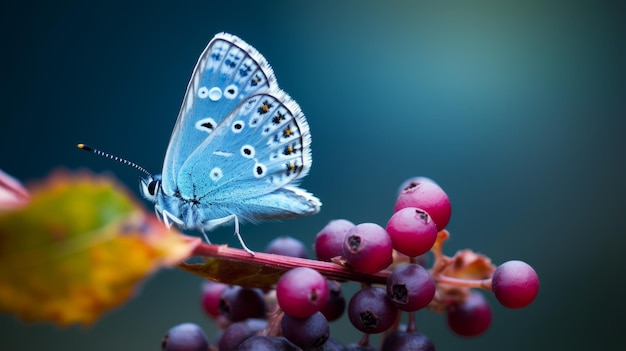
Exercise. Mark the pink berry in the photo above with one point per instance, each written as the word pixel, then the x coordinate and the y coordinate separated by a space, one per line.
pixel 301 292
pixel 515 284
pixel 428 196
pixel 329 240
pixel 211 293
pixel 412 231
pixel 367 248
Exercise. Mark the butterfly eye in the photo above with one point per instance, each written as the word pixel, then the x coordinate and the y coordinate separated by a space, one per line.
pixel 152 186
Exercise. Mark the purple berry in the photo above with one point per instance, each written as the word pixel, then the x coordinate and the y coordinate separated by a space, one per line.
pixel 238 304
pixel 308 332
pixel 400 341
pixel 185 337
pixel 257 343
pixel 410 287
pixel 238 332
pixel 428 196
pixel 371 311
pixel 367 248
pixel 329 241
pixel 301 292
pixel 412 231
pixel 515 284
pixel 286 246
pixel 336 303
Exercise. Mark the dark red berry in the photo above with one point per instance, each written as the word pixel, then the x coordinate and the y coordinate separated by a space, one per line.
pixel 471 317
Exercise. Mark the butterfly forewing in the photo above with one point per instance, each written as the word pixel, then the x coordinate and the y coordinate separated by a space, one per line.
pixel 228 72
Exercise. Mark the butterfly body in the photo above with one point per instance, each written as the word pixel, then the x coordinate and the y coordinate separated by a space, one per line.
pixel 239 147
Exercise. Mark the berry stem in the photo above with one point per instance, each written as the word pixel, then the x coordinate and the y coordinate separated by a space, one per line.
pixel 283 263
pixel 466 283
pixel 412 326
pixel 365 340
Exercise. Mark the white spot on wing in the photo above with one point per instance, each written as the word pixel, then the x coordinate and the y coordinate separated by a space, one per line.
pixel 215 94
pixel 216 174
pixel 203 92
pixel 222 153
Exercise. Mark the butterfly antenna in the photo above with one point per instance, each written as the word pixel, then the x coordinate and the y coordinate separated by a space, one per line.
pixel 114 158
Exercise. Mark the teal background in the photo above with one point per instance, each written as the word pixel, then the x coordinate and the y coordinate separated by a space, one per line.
pixel 517 109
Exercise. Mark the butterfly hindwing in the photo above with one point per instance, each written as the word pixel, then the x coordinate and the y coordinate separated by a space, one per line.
pixel 227 72
pixel 263 145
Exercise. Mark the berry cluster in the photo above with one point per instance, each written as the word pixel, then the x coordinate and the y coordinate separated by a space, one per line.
pixel 296 314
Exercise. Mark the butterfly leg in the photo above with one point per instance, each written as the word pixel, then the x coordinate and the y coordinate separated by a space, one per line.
pixel 167 218
pixel 215 222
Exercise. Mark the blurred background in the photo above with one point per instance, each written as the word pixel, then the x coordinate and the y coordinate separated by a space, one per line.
pixel 517 109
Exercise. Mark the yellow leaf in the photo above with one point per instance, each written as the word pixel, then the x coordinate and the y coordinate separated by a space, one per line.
pixel 78 248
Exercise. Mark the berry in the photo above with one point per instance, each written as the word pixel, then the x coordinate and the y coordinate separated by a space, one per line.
pixel 238 304
pixel 306 333
pixel 412 231
pixel 371 311
pixel 301 292
pixel 185 337
pixel 286 246
pixel 257 343
pixel 428 196
pixel 238 332
pixel 331 344
pixel 515 284
pixel 367 248
pixel 413 180
pixel 357 347
pixel 336 303
pixel 410 287
pixel 400 340
pixel 211 293
pixel 282 344
pixel 471 317
pixel 329 241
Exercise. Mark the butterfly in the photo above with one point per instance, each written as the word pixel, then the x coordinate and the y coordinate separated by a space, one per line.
pixel 239 147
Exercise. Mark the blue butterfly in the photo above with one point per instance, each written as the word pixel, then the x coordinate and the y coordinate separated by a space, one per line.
pixel 239 148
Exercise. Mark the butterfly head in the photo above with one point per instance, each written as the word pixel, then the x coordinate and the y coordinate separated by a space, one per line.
pixel 150 187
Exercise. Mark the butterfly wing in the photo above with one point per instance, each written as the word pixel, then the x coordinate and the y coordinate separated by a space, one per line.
pixel 240 144
pixel 246 163
pixel 228 71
